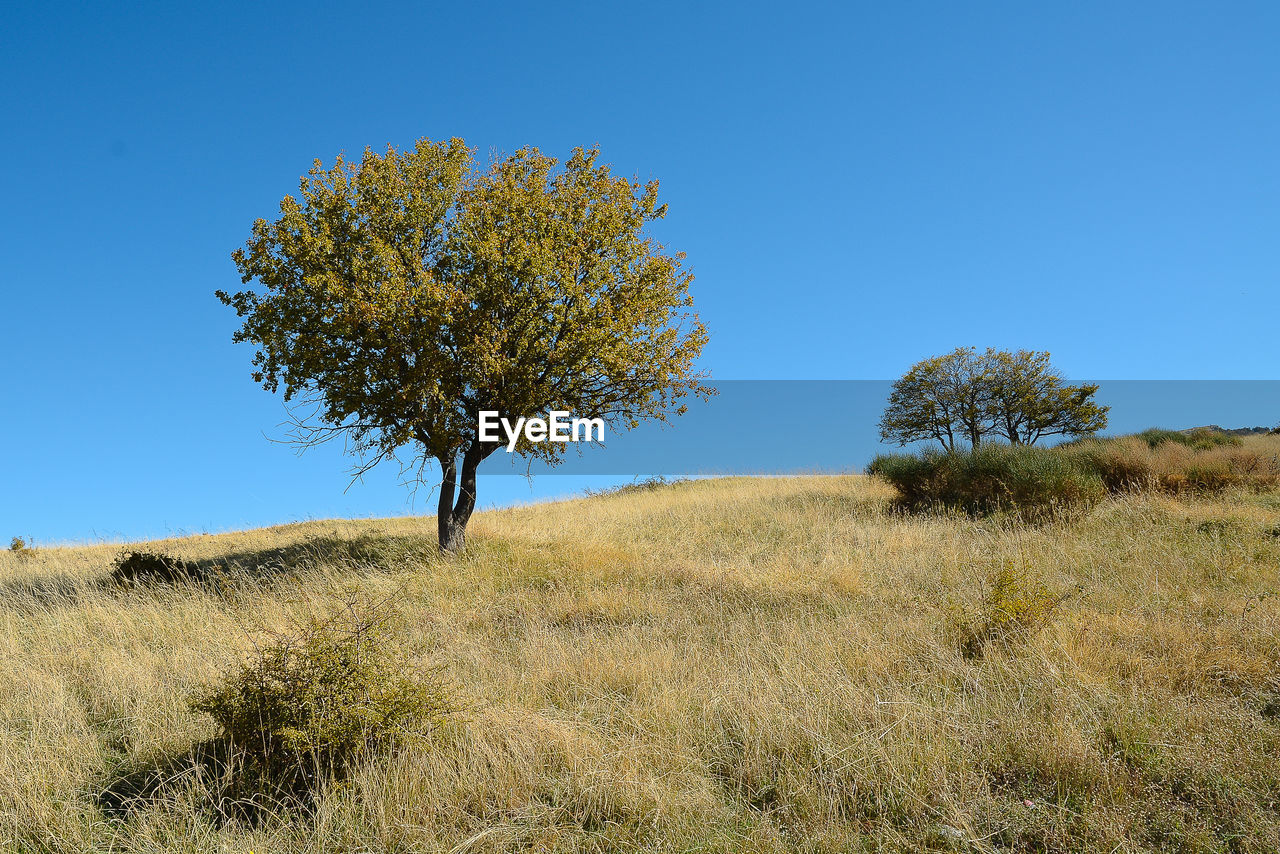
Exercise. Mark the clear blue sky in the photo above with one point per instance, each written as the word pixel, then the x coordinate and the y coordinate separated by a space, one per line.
pixel 857 186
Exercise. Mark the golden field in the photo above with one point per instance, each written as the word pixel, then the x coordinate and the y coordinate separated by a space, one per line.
pixel 719 665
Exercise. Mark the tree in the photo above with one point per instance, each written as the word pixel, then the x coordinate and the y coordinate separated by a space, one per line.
pixel 405 293
pixel 940 398
pixel 970 395
pixel 1032 400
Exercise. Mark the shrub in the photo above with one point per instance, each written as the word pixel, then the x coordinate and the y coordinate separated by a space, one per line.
pixel 912 475
pixel 1123 464
pixel 1180 469
pixel 1031 482
pixel 303 709
pixel 17 544
pixel 1015 606
pixel 1255 467
pixel 1040 482
pixel 1201 438
pixel 1132 463
pixel 1156 436
pixel 151 568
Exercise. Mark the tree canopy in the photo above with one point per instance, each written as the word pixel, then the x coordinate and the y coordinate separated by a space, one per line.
pixel 965 395
pixel 404 293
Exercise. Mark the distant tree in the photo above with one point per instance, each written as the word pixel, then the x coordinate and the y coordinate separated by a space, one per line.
pixel 405 293
pixel 917 410
pixel 967 395
pixel 942 398
pixel 1032 400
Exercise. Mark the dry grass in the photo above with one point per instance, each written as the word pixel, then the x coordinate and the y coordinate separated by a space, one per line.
pixel 728 665
pixel 1129 463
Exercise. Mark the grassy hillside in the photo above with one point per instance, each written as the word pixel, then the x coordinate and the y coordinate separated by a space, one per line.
pixel 725 665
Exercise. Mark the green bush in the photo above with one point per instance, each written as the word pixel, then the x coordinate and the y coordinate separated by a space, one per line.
pixel 1201 438
pixel 1156 436
pixel 1028 481
pixel 912 474
pixel 152 568
pixel 309 705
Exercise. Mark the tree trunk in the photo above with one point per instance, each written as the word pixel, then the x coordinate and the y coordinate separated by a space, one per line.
pixel 450 538
pixel 453 536
pixel 452 516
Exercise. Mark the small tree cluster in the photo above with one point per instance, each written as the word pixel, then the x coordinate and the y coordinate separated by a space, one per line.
pixel 965 395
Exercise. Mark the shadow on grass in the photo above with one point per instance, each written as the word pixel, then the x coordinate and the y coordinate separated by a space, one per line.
pixel 253 568
pixel 209 777
pixel 367 551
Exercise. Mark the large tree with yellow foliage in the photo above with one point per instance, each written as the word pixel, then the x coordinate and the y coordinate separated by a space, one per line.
pixel 404 293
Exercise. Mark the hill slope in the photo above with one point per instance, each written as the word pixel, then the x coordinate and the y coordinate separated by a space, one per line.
pixel 723 665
